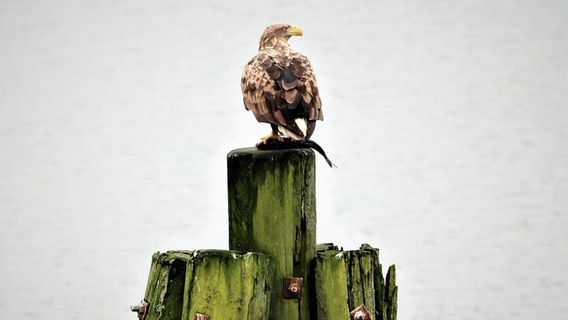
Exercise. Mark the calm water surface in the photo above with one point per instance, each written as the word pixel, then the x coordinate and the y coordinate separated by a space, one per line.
pixel 448 122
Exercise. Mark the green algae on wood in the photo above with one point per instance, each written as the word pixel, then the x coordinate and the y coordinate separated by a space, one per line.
pixel 361 279
pixel 165 289
pixel 331 285
pixel 272 211
pixel 348 279
pixel 219 283
pixel 228 285
pixel 391 294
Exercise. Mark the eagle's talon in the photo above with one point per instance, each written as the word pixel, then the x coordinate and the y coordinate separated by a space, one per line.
pixel 271 137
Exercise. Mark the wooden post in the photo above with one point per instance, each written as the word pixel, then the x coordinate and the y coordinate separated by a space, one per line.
pixel 273 269
pixel 208 284
pixel 165 289
pixel 272 211
pixel 227 285
pixel 390 300
pixel 346 280
pixel 331 285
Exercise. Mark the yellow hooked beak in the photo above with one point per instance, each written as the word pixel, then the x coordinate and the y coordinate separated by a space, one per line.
pixel 294 31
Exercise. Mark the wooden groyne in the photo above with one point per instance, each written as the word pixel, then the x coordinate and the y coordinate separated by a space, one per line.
pixel 273 268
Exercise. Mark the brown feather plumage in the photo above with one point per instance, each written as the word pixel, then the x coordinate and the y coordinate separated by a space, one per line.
pixel 279 84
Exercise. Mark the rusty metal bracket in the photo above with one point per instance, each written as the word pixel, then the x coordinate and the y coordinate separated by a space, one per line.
pixel 293 288
pixel 360 313
pixel 141 309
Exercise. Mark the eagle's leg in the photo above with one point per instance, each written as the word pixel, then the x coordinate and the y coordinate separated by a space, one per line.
pixel 274 135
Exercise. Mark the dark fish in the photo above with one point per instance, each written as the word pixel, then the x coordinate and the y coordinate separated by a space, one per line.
pixel 274 144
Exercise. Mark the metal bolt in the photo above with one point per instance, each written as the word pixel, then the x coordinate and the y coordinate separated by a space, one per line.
pixel 360 313
pixel 138 308
pixel 294 289
pixel 141 309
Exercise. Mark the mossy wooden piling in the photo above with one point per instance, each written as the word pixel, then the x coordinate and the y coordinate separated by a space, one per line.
pixel 348 279
pixel 221 284
pixel 273 268
pixel 272 210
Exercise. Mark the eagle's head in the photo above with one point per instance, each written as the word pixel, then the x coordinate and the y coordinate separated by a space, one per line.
pixel 278 35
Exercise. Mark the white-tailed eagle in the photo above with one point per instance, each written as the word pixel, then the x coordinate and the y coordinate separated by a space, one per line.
pixel 279 87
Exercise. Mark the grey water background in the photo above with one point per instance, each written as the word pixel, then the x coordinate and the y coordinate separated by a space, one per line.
pixel 448 121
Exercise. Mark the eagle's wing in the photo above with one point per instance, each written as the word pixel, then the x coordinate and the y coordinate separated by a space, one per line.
pixel 281 88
